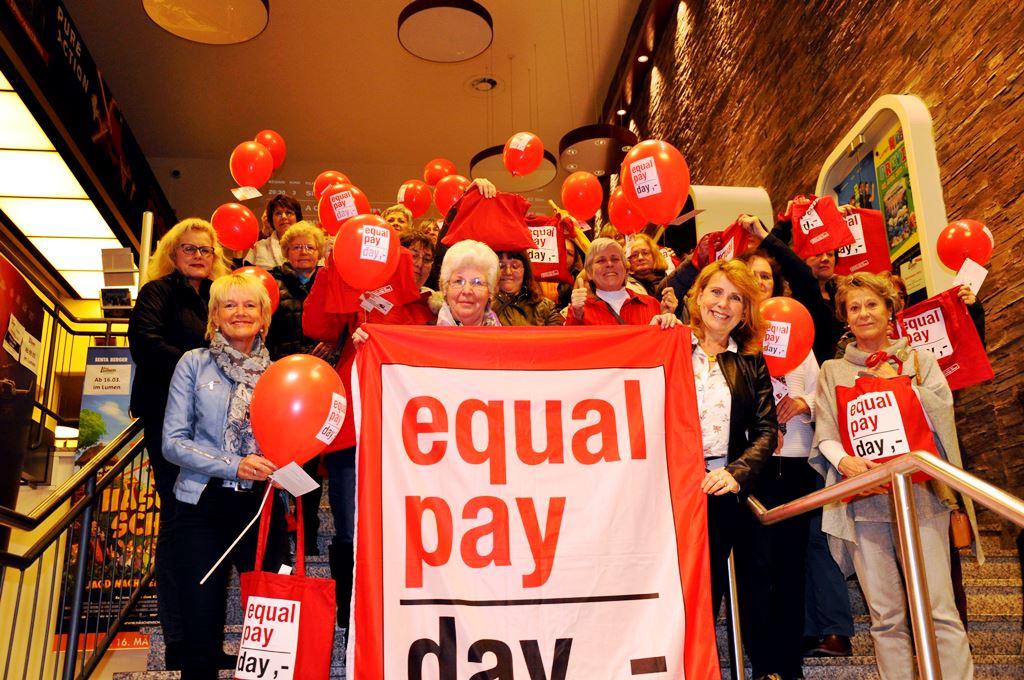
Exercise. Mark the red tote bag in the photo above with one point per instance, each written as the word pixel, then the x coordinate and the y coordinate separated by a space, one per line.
pixel 720 245
pixel 881 419
pixel 288 631
pixel 547 260
pixel 869 251
pixel 943 326
pixel 818 226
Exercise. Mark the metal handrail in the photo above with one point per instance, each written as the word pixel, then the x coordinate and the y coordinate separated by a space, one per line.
pixel 898 473
pixel 53 501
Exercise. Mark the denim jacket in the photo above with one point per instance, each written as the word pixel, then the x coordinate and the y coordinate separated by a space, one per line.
pixel 194 425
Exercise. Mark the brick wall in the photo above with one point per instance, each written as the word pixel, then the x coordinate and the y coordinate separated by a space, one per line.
pixel 758 93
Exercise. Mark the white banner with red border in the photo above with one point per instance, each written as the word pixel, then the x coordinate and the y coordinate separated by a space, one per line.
pixel 529 506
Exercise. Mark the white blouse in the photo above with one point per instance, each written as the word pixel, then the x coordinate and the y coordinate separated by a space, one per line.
pixel 714 401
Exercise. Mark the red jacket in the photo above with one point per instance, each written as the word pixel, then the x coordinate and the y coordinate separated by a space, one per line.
pixel 638 310
pixel 335 328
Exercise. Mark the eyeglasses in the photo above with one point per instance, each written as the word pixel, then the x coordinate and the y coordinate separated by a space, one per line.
pixel 421 258
pixel 302 248
pixel 637 254
pixel 475 283
pixel 513 266
pixel 190 249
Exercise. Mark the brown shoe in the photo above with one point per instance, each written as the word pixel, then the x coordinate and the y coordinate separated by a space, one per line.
pixel 834 645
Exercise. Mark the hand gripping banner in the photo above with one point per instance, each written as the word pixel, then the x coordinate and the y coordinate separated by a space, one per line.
pixel 528 506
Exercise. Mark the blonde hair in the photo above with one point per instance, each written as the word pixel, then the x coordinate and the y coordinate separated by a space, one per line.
pixel 656 256
pixel 879 284
pixel 162 263
pixel 470 253
pixel 304 228
pixel 397 208
pixel 224 285
pixel 750 330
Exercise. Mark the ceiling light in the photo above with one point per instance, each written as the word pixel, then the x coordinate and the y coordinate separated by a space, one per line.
pixel 210 23
pixel 65 432
pixel 18 128
pixel 37 173
pixel 4 83
pixel 88 283
pixel 620 112
pixel 643 58
pixel 595 148
pixel 445 30
pixel 74 253
pixel 56 217
pixel 489 164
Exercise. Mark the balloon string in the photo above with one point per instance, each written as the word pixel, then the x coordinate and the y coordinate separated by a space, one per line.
pixel 235 542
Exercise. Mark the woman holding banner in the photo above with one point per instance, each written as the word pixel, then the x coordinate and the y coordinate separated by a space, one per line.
pixel 223 477
pixel 602 297
pixel 734 398
pixel 882 386
pixel 771 560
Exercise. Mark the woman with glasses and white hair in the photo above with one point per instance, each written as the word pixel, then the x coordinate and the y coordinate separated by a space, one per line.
pixel 601 297
pixel 169 319
pixel 468 280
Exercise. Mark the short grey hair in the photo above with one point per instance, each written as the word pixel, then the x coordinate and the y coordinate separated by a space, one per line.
pixel 304 228
pixel 597 246
pixel 470 253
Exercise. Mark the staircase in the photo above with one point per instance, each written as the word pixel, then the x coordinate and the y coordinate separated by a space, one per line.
pixel 993 603
pixel 994 629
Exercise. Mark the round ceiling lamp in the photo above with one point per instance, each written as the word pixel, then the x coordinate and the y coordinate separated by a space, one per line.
pixel 445 30
pixel 489 164
pixel 210 23
pixel 598 149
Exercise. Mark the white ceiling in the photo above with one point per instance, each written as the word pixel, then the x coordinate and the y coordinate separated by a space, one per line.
pixel 332 78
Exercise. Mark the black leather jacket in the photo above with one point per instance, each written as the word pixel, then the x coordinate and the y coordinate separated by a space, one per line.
pixel 753 427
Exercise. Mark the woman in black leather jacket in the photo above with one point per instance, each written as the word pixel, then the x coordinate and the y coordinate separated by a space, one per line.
pixel 734 399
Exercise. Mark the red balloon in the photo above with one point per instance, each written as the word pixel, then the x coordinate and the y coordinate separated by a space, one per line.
pixel 656 180
pixel 338 203
pixel 581 195
pixel 964 239
pixel 366 252
pixel 275 145
pixel 415 195
pixel 622 215
pixel 251 164
pixel 523 153
pixel 236 226
pixel 326 179
pixel 268 281
pixel 437 169
pixel 790 334
pixel 297 408
pixel 448 191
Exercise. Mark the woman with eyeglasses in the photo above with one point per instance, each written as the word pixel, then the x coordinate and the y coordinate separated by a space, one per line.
pixel 519 301
pixel 468 280
pixel 303 245
pixel 282 212
pixel 169 319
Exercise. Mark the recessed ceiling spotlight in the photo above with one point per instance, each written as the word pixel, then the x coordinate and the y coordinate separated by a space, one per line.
pixel 620 112
pixel 643 58
pixel 482 84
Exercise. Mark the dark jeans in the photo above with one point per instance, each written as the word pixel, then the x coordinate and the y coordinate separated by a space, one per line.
pixel 341 493
pixel 205 530
pixel 164 475
pixel 826 595
pixel 770 567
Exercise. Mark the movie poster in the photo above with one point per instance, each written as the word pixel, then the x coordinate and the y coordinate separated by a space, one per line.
pixel 123 535
pixel 896 198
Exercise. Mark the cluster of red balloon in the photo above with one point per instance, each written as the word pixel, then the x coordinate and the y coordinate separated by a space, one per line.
pixel 251 164
pixel 964 239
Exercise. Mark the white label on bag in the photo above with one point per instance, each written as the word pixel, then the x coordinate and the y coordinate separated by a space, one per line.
pixel 645 177
pixel 927 331
pixel 546 239
pixel 376 241
pixel 858 247
pixel 335 417
pixel 344 205
pixel 875 426
pixel 519 141
pixel 811 219
pixel 776 339
pixel 270 637
pixel 727 252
